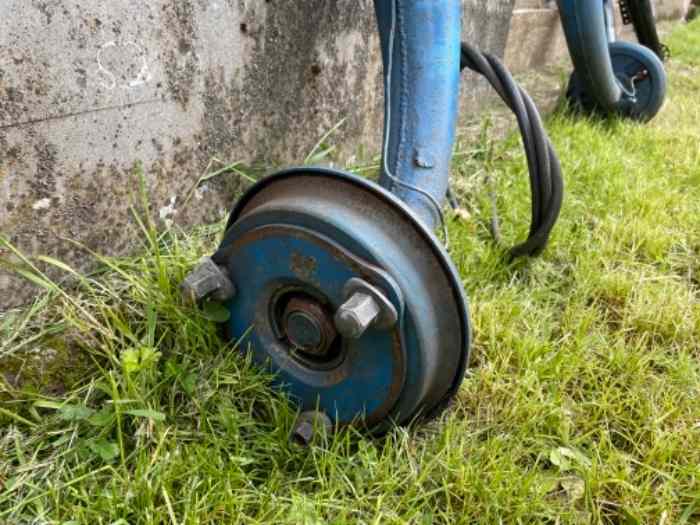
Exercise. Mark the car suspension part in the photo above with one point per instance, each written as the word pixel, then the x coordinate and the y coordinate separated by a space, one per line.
pixel 610 77
pixel 337 284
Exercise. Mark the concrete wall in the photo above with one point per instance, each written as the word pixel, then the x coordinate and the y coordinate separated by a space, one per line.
pixel 89 88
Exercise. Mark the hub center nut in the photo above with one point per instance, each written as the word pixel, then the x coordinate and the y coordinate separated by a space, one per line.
pixel 308 327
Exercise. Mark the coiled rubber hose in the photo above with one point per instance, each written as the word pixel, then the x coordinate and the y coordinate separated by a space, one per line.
pixel 546 183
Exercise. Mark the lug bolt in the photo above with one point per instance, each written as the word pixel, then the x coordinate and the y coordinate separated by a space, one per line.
pixel 310 424
pixel 356 315
pixel 207 280
pixel 365 306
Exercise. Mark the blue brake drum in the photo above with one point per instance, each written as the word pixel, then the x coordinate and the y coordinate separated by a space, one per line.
pixel 633 61
pixel 301 235
pixel 630 61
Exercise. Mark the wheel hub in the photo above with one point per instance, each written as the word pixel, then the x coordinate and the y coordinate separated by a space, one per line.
pixel 640 74
pixel 346 297
pixel 308 327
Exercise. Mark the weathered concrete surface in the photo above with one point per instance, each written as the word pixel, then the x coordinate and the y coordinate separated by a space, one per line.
pixel 536 37
pixel 485 24
pixel 90 88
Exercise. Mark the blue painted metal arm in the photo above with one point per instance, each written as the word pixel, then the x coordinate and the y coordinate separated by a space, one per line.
pixel 610 20
pixel 421 53
pixel 587 34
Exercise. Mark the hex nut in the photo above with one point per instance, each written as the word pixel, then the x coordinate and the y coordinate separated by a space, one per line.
pixel 365 306
pixel 207 280
pixel 356 315
pixel 310 425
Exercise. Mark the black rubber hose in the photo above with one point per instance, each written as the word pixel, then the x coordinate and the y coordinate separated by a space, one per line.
pixel 546 183
pixel 641 14
pixel 475 60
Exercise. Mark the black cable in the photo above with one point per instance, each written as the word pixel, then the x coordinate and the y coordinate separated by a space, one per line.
pixel 546 183
pixel 640 13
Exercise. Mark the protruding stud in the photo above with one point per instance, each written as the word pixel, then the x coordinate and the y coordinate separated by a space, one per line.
pixel 365 306
pixel 310 424
pixel 207 280
pixel 356 315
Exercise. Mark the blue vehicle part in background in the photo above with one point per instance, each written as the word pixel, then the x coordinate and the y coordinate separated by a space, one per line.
pixel 610 76
pixel 338 284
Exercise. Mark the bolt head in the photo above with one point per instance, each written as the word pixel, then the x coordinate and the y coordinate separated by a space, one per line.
pixel 356 315
pixel 308 327
pixel 348 324
pixel 207 279
pixel 304 433
pixel 303 331
pixel 309 425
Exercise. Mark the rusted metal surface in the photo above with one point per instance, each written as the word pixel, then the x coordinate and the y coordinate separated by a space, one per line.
pixel 377 238
pixel 302 266
pixel 252 309
pixel 308 326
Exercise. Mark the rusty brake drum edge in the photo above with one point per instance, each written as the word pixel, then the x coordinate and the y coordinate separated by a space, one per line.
pixel 302 234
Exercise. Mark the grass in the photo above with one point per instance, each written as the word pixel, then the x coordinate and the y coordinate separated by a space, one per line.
pixel 582 405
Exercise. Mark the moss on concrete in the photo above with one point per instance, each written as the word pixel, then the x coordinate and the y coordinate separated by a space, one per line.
pixel 51 366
